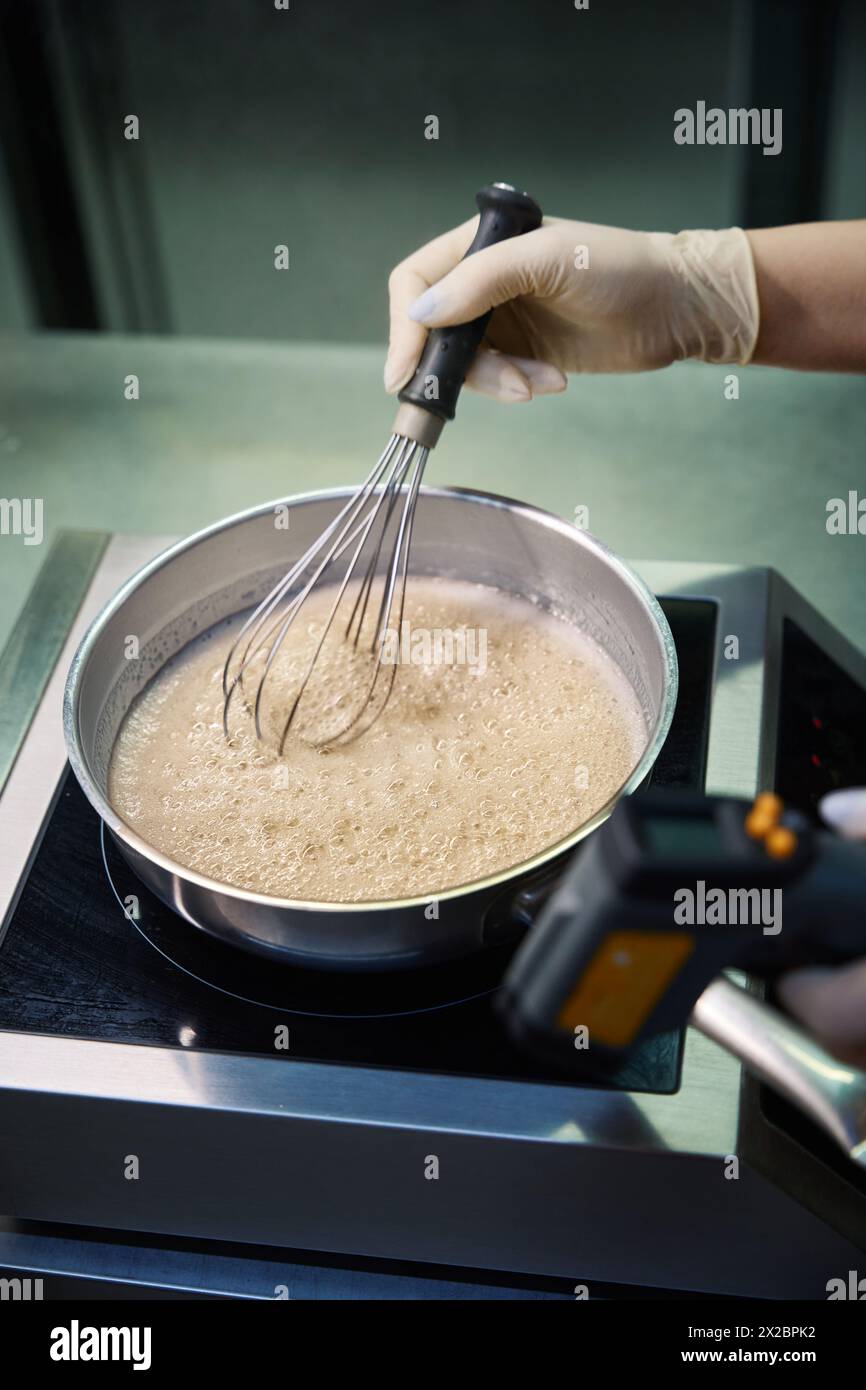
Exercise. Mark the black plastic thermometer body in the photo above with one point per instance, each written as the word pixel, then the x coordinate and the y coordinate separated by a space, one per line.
pixel 448 353
pixel 669 892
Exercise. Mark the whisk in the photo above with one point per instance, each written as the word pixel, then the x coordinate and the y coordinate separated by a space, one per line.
pixel 374 529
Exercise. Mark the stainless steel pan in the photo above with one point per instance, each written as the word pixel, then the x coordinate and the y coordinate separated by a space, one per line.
pixel 228 567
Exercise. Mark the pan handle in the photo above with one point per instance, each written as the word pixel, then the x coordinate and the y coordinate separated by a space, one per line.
pixel 513 912
pixel 787 1058
pixel 448 352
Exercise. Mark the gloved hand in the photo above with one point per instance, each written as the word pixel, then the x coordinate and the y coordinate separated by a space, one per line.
pixel 576 297
pixel 831 1000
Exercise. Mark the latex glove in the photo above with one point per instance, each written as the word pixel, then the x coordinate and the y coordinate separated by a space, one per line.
pixel 831 1000
pixel 644 300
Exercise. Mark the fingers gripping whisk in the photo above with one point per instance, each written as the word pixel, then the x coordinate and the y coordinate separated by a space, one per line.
pixel 340 680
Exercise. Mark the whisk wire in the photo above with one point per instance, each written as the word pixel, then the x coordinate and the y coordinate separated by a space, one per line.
pixel 399 564
pixel 365 529
pixel 273 598
pixel 360 606
pixel 259 617
pixel 373 523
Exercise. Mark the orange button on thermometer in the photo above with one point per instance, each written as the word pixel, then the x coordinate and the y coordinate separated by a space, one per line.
pixel 764 815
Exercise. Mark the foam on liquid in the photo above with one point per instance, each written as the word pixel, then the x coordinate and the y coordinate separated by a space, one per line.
pixel 463 775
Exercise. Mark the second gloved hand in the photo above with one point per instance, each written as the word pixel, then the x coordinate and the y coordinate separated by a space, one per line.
pixel 577 297
pixel 831 1001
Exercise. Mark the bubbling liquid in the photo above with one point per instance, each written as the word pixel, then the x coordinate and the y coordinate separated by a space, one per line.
pixel 487 753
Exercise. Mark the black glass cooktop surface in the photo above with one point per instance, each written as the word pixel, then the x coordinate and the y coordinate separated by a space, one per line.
pixel 74 964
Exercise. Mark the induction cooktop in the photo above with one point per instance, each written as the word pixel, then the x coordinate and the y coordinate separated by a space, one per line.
pixel 279 1107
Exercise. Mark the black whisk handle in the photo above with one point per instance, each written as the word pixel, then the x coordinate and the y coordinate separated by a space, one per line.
pixel 448 352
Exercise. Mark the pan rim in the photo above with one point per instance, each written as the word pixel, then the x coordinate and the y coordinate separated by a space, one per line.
pixel 135 842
